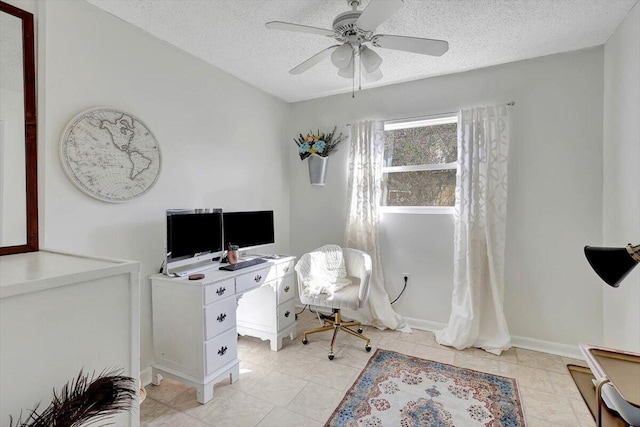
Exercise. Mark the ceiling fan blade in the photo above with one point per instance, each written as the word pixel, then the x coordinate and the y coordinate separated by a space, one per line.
pixel 278 25
pixel 313 60
pixel 376 12
pixel 411 44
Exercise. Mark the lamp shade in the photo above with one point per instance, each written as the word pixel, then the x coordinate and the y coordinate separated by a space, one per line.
pixel 372 77
pixel 612 264
pixel 346 72
pixel 342 56
pixel 370 60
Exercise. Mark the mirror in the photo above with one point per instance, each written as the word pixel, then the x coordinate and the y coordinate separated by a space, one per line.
pixel 18 157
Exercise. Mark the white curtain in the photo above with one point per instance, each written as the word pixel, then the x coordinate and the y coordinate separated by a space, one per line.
pixel 477 317
pixel 364 195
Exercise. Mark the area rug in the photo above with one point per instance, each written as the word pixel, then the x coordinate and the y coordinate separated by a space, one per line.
pixel 399 390
pixel 582 377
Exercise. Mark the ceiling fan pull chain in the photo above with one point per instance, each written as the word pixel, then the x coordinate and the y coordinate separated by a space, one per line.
pixel 353 75
pixel 359 71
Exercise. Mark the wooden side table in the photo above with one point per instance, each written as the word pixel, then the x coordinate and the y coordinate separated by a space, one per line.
pixel 620 368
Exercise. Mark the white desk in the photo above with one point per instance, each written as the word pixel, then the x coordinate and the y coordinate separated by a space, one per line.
pixel 195 322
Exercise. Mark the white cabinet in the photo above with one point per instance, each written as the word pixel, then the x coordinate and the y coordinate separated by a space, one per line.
pixel 268 312
pixel 60 313
pixel 195 322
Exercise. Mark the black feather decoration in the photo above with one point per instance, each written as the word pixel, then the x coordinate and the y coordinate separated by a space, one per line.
pixel 84 401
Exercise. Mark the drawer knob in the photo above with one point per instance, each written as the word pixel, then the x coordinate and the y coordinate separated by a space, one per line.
pixel 287 313
pixel 257 278
pixel 221 317
pixel 286 269
pixel 286 288
pixel 221 290
pixel 222 350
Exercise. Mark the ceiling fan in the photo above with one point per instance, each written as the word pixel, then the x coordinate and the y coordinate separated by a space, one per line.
pixel 354 30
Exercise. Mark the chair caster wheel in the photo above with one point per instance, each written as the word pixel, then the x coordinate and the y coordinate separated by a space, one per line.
pixel 367 347
pixel 331 356
pixel 360 330
pixel 305 341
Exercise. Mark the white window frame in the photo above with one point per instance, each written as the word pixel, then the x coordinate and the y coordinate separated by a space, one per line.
pixel 440 119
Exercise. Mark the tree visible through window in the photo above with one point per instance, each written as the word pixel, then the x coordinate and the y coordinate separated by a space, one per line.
pixel 420 162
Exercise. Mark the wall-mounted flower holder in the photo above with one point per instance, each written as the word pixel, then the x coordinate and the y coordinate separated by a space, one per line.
pixel 317 148
pixel 317 169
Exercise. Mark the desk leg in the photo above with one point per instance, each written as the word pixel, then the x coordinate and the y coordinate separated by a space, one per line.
pixel 234 375
pixel 599 385
pixel 276 343
pixel 204 393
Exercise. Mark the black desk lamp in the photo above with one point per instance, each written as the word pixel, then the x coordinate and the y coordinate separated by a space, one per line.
pixel 613 264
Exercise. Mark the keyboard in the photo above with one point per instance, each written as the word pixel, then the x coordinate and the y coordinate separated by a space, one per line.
pixel 243 264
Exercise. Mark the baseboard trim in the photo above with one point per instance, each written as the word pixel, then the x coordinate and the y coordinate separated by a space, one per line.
pixel 559 349
pixel 424 325
pixel 145 376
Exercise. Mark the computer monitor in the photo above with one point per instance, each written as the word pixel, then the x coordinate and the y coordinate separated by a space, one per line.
pixel 248 230
pixel 192 236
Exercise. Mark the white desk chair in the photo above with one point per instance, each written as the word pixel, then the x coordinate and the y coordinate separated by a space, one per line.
pixel 352 297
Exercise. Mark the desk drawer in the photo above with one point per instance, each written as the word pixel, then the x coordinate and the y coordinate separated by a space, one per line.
pixel 221 350
pixel 286 314
pixel 285 269
pixel 285 289
pixel 272 274
pixel 219 317
pixel 251 280
pixel 219 290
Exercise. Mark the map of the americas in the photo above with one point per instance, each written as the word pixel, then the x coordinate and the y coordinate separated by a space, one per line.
pixel 110 155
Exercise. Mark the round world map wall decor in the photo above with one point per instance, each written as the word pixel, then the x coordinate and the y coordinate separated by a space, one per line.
pixel 110 155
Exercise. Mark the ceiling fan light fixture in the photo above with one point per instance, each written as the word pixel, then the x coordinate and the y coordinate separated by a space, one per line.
pixel 346 72
pixel 370 60
pixel 342 56
pixel 373 76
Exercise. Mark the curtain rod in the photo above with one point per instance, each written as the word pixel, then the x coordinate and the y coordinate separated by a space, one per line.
pixel 508 104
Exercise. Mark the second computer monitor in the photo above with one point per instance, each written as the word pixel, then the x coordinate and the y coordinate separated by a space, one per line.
pixel 248 230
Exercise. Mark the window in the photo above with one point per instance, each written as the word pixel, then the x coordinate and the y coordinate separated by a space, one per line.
pixel 420 162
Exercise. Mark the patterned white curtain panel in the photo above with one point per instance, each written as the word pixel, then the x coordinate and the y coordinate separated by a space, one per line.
pixel 364 191
pixel 477 317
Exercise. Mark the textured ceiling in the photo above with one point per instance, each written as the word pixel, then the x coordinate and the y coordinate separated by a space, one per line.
pixel 231 35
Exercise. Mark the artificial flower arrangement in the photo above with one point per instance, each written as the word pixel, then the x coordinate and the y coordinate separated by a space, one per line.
pixel 318 143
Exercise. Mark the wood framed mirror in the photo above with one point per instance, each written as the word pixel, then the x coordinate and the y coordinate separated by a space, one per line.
pixel 18 136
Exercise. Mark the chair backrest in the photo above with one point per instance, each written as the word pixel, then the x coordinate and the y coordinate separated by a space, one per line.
pixel 358 265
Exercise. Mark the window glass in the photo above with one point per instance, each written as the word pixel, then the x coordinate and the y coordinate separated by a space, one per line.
pixel 423 188
pixel 421 145
pixel 420 162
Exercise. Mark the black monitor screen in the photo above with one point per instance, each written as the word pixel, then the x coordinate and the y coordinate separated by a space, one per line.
pixel 190 233
pixel 248 229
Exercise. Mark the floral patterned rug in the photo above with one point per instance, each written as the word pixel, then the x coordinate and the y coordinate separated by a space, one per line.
pixel 399 390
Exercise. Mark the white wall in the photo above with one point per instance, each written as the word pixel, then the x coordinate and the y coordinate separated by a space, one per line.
pixel 555 192
pixel 621 198
pixel 221 139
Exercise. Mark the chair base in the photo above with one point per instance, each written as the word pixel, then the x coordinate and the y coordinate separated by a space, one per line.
pixel 336 324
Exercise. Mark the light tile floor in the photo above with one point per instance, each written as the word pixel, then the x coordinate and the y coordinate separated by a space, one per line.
pixel 299 386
